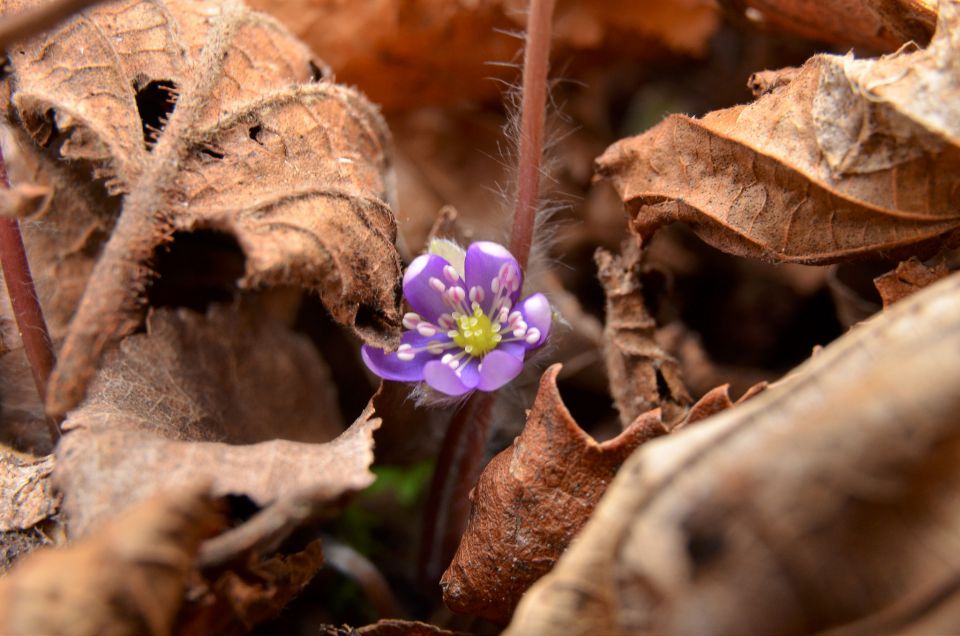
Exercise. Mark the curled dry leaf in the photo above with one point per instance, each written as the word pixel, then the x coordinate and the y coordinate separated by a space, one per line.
pixel 910 276
pixel 127 578
pixel 883 25
pixel 209 117
pixel 849 158
pixel 389 48
pixel 236 601
pixel 781 515
pixel 530 501
pixel 642 375
pixel 225 397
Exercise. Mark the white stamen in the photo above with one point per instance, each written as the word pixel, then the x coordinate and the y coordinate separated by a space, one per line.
pixel 454 363
pixel 468 348
pixel 514 317
pixel 450 273
pixel 452 333
pixel 411 320
pixel 405 352
pixel 476 294
pixel 519 333
pixel 497 337
pixel 495 286
pixel 533 335
pixel 447 357
pixel 502 316
pixel 456 295
pixel 426 330
pixel 436 284
pixel 435 347
pixel 446 321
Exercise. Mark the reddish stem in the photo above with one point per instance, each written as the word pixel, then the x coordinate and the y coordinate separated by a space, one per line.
pixel 457 470
pixel 460 459
pixel 26 306
pixel 536 61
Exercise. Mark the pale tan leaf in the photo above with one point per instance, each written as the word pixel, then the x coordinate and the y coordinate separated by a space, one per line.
pixel 227 397
pixel 127 578
pixel 782 515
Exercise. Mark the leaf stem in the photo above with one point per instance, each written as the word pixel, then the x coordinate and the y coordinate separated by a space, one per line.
pixel 26 306
pixel 536 62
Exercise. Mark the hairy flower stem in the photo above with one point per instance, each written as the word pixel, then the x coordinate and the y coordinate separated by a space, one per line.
pixel 536 60
pixel 458 467
pixel 460 459
pixel 26 306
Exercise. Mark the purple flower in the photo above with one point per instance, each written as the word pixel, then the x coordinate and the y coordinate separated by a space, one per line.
pixel 466 331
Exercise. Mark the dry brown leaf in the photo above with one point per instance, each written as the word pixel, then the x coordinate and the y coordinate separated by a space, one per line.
pixel 389 47
pixel 883 25
pixel 228 397
pixel 259 146
pixel 642 375
pixel 26 493
pixel 530 501
pixel 236 601
pixel 781 515
pixel 910 276
pixel 390 627
pixel 851 157
pixel 127 578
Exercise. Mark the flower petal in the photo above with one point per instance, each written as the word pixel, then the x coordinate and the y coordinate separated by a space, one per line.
pixel 497 368
pixel 482 265
pixel 389 367
pixel 425 300
pixel 537 313
pixel 517 349
pixel 444 379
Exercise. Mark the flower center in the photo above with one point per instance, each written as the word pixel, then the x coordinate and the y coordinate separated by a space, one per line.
pixel 476 334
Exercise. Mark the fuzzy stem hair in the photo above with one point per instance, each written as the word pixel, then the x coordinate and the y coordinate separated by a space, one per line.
pixel 536 62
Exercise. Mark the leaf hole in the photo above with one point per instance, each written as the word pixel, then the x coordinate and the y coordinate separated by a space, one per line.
pixel 255 132
pixel 213 154
pixel 319 72
pixel 196 269
pixel 155 103
pixel 704 547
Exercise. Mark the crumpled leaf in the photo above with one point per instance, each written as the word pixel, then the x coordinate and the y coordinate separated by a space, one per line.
pixel 210 117
pixel 236 601
pixel 909 276
pixel 530 501
pixel 225 397
pixel 642 375
pixel 127 578
pixel 390 627
pixel 781 515
pixel 26 494
pixel 389 48
pixel 883 25
pixel 851 157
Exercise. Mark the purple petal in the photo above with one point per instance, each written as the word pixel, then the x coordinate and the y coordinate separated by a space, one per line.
pixel 424 299
pixel 497 368
pixel 482 265
pixel 536 312
pixel 517 349
pixel 389 367
pixel 444 379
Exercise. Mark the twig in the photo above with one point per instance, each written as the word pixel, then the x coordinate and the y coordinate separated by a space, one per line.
pixel 26 306
pixel 32 21
pixel 536 61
